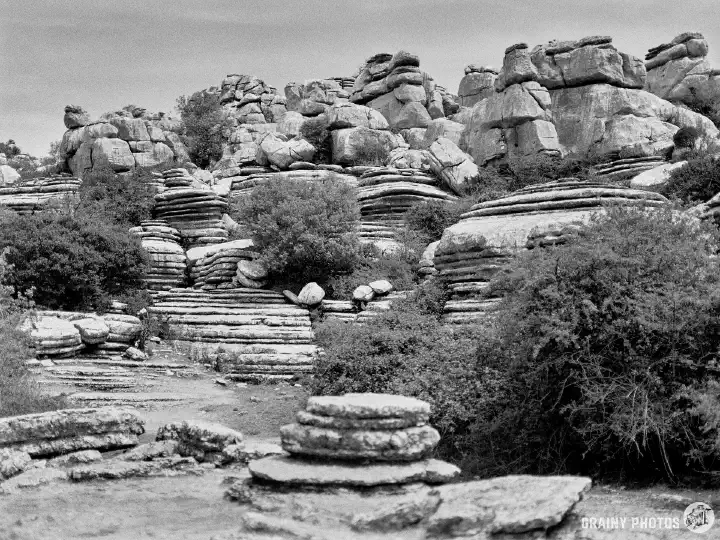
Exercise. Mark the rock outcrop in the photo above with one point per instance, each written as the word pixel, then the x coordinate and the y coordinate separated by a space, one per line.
pixel 582 99
pixel 226 266
pixel 680 72
pixel 248 334
pixel 347 431
pixel 477 84
pixel 192 208
pixel 121 141
pixel 394 85
pixel 168 263
pixel 54 192
pixel 473 250
pixel 69 430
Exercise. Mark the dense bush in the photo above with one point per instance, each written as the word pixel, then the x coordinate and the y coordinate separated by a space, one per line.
pixel 696 182
pixel 408 351
pixel 707 107
pixel 19 393
pixel 72 263
pixel 203 121
pixel 429 219
pixel 608 348
pixel 303 230
pixel 123 199
pixel 685 137
pixel 542 168
pixel 315 131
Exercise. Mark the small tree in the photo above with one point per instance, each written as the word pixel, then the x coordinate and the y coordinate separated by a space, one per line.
pixel 303 229
pixel 315 131
pixel 695 182
pixel 203 120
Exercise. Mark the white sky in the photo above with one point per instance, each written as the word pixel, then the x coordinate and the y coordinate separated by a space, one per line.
pixel 104 54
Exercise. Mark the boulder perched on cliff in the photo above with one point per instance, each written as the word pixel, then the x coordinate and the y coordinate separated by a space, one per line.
pixel 680 70
pixel 477 84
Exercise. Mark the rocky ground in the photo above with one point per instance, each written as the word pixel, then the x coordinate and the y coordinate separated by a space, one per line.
pixel 194 506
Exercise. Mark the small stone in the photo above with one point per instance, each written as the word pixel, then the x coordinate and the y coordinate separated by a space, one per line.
pixel 13 462
pixel 75 458
pixel 221 382
pixel 311 294
pixel 381 286
pixel 136 355
pixel 47 363
pixel 363 293
pixel 153 450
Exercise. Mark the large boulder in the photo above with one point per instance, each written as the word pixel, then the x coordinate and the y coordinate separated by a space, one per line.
pixel 158 154
pixel 283 154
pixel 401 115
pixel 112 153
pixel 8 175
pixel 477 84
pixel 454 166
pixel 350 115
pixel 130 129
pixel 75 116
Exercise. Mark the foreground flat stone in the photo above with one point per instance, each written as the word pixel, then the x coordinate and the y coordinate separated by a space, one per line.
pixel 508 504
pixel 118 469
pixel 334 422
pixel 286 470
pixel 369 405
pixel 33 478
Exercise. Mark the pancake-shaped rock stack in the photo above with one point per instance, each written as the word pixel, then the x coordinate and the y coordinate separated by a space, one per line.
pixel 226 266
pixel 195 211
pixel 69 430
pixel 40 194
pixel 249 334
pixel 124 331
pixel 357 440
pixel 385 194
pixel 52 336
pixel 168 264
pixel 482 242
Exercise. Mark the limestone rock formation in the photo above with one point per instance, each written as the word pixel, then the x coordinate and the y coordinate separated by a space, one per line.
pixel 220 266
pixel 357 427
pixel 474 249
pixel 477 84
pixel 249 100
pixel 282 154
pixel 37 195
pixel 249 334
pixel 315 96
pixel 454 166
pixel 357 145
pixel 204 441
pixel 8 175
pixel 51 336
pixel 121 140
pixel 311 294
pixel 582 99
pixel 13 462
pixel 70 430
pixel 395 86
pixel 193 210
pixel 168 263
pixel 680 71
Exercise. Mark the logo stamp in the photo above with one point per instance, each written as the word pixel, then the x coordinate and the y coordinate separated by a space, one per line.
pixel 698 517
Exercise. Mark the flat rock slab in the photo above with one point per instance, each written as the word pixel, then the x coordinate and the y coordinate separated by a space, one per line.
pixel 369 405
pixel 118 469
pixel 33 478
pixel 199 436
pixel 406 444
pixel 367 424
pixel 297 472
pixel 508 504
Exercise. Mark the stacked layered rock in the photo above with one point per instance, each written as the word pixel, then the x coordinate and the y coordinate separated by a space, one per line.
pixel 621 169
pixel 120 140
pixel 192 208
pixel 386 194
pixel 56 191
pixel 226 266
pixel 357 440
pixel 680 71
pixel 579 98
pixel 427 261
pixel 249 100
pixel 59 334
pixel 477 84
pixel 69 430
pixel 368 302
pixel 314 97
pixel 472 251
pixel 394 85
pixel 248 334
pixel 168 263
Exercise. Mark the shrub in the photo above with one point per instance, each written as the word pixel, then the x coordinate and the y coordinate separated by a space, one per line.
pixel 709 107
pixel 695 182
pixel 19 393
pixel 429 219
pixel 123 199
pixel 372 155
pixel 607 346
pixel 72 263
pixel 304 230
pixel 685 137
pixel 541 168
pixel 203 120
pixel 408 351
pixel 315 131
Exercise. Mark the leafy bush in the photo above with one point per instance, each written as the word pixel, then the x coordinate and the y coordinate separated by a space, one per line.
pixel 203 120
pixel 304 230
pixel 372 155
pixel 19 393
pixel 315 131
pixel 429 219
pixel 685 137
pixel 608 346
pixel 72 263
pixel 541 168
pixel 695 182
pixel 707 107
pixel 123 199
pixel 408 351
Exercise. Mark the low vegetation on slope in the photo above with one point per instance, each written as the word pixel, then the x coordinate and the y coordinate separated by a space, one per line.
pixel 602 360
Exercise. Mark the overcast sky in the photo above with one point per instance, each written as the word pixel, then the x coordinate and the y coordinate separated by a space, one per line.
pixel 104 54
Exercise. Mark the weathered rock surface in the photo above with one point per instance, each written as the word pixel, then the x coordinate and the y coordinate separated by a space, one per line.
pixel 351 146
pixel 13 462
pixel 70 430
pixel 168 263
pixel 119 469
pixel 311 294
pixel 199 439
pixel 454 166
pixel 286 470
pixel 369 405
pixel 37 195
